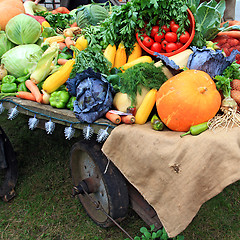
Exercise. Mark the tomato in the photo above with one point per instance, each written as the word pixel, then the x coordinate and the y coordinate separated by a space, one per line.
pixel 156 47
pixel 165 28
pixel 148 42
pixel 171 37
pixel 171 47
pixel 159 37
pixel 184 37
pixel 154 31
pixel 179 44
pixel 164 44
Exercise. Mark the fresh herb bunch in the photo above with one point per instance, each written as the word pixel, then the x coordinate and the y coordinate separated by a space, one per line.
pixel 142 74
pixel 58 21
pixel 90 57
pixel 122 23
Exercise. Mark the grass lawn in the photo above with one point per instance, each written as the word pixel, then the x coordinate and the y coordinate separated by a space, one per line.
pixel 44 208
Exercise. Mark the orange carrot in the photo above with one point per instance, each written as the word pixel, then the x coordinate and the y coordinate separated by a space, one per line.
pixel 74 24
pixel 33 88
pixel 69 42
pixel 26 95
pixel 231 23
pixel 233 33
pixel 62 45
pixel 62 61
pixel 114 118
pixel 129 119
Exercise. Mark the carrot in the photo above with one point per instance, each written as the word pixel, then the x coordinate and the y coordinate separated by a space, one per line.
pixel 129 119
pixel 69 42
pixel 233 33
pixel 74 24
pixel 26 95
pixel 62 61
pixel 62 45
pixel 33 88
pixel 231 23
pixel 114 118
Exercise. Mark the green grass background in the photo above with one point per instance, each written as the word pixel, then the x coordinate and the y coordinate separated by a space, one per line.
pixel 44 208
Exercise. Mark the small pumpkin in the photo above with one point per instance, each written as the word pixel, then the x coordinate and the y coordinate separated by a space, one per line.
pixel 187 99
pixel 8 10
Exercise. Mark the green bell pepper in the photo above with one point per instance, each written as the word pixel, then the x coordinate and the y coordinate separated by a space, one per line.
pixel 8 79
pixel 9 87
pixel 59 99
pixel 22 87
pixel 23 78
pixel 71 102
pixel 65 55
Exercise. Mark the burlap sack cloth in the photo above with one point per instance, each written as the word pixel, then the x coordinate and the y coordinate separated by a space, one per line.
pixel 175 175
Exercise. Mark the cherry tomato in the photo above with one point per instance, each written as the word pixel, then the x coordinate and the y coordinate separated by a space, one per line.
pixel 179 44
pixel 184 37
pixel 148 42
pixel 165 28
pixel 174 26
pixel 159 37
pixel 171 47
pixel 164 44
pixel 171 37
pixel 154 31
pixel 156 47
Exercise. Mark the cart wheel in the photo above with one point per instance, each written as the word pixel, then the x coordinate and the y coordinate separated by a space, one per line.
pixel 8 168
pixel 108 188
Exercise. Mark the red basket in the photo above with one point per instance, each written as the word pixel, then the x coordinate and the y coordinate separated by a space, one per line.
pixel 185 46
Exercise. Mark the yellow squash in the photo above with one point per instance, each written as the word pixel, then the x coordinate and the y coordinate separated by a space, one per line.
pixel 110 53
pixel 136 61
pixel 57 79
pixel 146 107
pixel 121 56
pixel 136 53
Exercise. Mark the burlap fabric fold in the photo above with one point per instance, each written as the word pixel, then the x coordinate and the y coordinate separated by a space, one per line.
pixel 175 175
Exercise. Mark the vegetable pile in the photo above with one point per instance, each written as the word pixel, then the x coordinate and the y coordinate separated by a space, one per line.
pixel 90 61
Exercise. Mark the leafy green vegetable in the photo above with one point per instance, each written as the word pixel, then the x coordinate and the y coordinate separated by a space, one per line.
pixel 90 57
pixel 5 43
pixel 142 74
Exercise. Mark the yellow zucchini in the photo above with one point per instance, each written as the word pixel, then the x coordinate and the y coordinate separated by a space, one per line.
pixel 136 53
pixel 136 61
pixel 121 56
pixel 146 107
pixel 110 53
pixel 57 79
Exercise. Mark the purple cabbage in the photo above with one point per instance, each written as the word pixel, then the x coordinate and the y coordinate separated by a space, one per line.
pixel 210 61
pixel 94 95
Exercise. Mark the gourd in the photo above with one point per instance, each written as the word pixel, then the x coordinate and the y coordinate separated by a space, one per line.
pixel 146 107
pixel 187 99
pixel 57 79
pixel 110 53
pixel 121 56
pixel 8 10
pixel 136 53
pixel 141 59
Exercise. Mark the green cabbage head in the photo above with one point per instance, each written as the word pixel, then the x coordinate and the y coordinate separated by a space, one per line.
pixel 23 29
pixel 5 44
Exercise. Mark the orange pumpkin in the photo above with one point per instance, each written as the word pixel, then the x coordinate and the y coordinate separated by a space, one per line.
pixel 187 99
pixel 8 10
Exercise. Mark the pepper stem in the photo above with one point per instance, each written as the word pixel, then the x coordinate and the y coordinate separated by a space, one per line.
pixel 184 134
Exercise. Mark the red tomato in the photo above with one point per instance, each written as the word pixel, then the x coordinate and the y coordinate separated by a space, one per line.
pixel 171 47
pixel 179 44
pixel 184 37
pixel 154 31
pixel 165 28
pixel 171 37
pixel 148 42
pixel 174 27
pixel 164 44
pixel 156 47
pixel 159 37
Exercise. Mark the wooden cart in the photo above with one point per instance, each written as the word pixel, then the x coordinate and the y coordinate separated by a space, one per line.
pixel 101 188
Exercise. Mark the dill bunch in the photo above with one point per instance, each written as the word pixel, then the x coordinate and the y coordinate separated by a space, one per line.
pixel 142 74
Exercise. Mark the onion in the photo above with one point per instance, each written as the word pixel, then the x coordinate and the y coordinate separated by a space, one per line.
pixel 3 71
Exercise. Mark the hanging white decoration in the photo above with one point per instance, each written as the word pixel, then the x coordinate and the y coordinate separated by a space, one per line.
pixel 69 132
pixel 49 126
pixel 102 135
pixel 33 122
pixel 87 132
pixel 2 108
pixel 12 113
